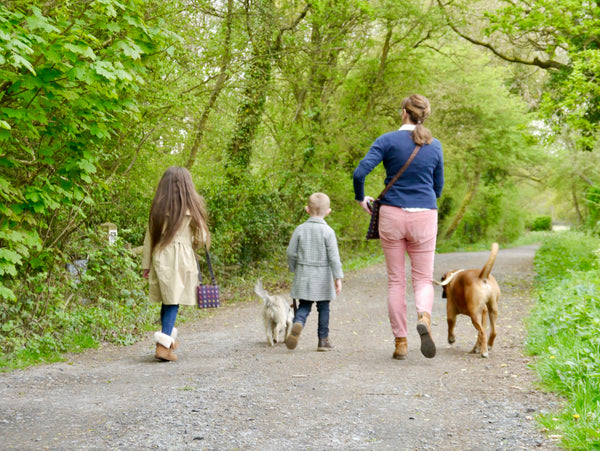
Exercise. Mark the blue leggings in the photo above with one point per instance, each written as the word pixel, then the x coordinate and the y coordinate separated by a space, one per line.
pixel 303 311
pixel 168 315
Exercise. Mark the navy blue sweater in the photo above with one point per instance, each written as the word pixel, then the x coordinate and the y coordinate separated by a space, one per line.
pixel 422 182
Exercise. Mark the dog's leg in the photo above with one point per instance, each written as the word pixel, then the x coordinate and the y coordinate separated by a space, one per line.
pixel 481 344
pixel 275 332
pixel 269 333
pixel 493 314
pixel 451 316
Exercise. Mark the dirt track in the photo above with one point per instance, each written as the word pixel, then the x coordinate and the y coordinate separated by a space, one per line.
pixel 229 390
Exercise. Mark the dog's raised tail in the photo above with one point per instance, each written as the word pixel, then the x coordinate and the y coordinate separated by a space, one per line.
pixel 258 289
pixel 487 268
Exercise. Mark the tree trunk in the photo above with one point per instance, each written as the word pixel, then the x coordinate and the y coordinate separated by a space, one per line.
pixel 576 204
pixel 382 64
pixel 221 79
pixel 266 47
pixel 253 99
pixel 464 205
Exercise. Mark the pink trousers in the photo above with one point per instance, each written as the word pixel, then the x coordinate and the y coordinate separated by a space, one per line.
pixel 414 233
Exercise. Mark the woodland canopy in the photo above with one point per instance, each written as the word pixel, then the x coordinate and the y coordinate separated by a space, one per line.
pixel 267 101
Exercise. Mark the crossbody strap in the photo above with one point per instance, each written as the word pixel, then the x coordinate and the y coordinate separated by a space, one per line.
pixel 397 176
pixel 210 268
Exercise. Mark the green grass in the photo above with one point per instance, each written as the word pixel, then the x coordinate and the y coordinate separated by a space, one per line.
pixel 564 334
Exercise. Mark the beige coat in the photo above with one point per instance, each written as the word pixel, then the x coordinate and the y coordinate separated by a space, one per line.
pixel 173 274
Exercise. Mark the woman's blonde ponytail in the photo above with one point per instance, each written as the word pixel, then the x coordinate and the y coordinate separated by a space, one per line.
pixel 418 109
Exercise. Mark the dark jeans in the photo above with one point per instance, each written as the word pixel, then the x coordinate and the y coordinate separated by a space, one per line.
pixel 303 311
pixel 168 315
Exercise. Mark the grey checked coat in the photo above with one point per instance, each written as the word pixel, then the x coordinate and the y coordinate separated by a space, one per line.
pixel 314 259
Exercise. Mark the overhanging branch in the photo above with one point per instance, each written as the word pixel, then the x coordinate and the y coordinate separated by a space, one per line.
pixel 548 64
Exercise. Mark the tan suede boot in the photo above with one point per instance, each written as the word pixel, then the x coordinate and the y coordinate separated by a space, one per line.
pixel 424 329
pixel 164 347
pixel 401 350
pixel 164 354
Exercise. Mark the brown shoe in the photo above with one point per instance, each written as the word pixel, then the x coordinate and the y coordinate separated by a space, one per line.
pixel 401 350
pixel 164 347
pixel 164 354
pixel 324 345
pixel 424 329
pixel 292 339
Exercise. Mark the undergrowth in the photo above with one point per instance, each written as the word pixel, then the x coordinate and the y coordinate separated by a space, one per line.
pixel 564 333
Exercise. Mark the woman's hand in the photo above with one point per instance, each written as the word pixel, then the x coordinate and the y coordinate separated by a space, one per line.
pixel 364 204
pixel 146 273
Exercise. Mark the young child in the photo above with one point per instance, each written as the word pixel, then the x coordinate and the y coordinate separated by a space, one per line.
pixel 177 227
pixel 314 259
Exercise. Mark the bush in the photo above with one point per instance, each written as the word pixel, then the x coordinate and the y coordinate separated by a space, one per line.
pixel 564 253
pixel 563 331
pixel 104 299
pixel 541 224
pixel 247 222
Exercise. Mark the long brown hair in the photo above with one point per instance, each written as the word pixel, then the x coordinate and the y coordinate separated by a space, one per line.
pixel 418 109
pixel 175 197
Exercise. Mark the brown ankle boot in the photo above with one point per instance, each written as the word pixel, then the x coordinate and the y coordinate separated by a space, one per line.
pixel 401 350
pixel 292 340
pixel 164 347
pixel 424 329
pixel 164 354
pixel 324 345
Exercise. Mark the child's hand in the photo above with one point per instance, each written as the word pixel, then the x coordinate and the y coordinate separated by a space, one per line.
pixel 146 273
pixel 338 286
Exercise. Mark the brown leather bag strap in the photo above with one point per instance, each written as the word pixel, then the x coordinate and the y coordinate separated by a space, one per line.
pixel 397 176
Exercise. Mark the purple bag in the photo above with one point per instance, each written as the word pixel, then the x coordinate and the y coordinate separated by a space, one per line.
pixel 373 232
pixel 207 294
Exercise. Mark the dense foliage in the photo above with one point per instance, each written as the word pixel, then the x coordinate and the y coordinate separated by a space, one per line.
pixel 564 331
pixel 556 48
pixel 70 76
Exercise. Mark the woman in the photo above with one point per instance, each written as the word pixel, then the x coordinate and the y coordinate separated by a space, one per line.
pixel 407 216
pixel 177 227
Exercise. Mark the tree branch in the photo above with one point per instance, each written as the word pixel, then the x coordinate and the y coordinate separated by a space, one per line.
pixel 548 64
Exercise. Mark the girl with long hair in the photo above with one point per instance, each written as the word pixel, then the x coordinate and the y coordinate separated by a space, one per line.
pixel 177 228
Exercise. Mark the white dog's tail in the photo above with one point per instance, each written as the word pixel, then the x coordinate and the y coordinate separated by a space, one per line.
pixel 260 291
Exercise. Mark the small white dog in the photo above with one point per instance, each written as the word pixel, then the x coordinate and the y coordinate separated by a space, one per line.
pixel 277 314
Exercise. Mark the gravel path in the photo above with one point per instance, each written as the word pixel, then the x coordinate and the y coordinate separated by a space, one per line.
pixel 230 391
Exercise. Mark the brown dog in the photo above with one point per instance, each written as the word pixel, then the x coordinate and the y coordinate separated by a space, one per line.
pixel 474 293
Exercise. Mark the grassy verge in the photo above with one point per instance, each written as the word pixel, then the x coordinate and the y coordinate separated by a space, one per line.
pixel 564 334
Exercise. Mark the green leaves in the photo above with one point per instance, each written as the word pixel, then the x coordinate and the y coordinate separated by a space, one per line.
pixel 82 50
pixel 563 332
pixel 68 82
